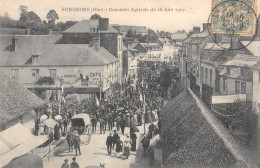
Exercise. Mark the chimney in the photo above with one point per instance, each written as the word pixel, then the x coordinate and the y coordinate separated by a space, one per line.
pixel 234 42
pixel 96 43
pixel 206 26
pixel 183 31
pixel 50 31
pixel 103 24
pixel 28 31
pixel 196 29
pixel 14 43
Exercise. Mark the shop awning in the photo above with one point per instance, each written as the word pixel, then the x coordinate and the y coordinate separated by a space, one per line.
pixel 50 123
pixel 17 141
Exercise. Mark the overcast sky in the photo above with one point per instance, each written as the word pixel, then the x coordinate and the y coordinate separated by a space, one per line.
pixel 194 12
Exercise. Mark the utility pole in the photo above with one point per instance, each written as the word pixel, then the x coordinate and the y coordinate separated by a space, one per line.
pixel 100 95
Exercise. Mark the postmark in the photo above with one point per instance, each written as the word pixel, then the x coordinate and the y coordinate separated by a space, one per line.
pixel 234 17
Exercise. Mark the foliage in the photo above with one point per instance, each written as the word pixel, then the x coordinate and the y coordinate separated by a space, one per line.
pixel 95 16
pixel 52 16
pixel 45 80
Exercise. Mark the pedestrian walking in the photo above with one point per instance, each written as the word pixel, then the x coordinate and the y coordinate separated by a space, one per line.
pixel 65 164
pixel 146 143
pixel 127 145
pixel 133 138
pixel 118 121
pixel 110 122
pixel 77 144
pixel 115 138
pixel 94 123
pixel 122 125
pixel 102 127
pixel 65 124
pixel 74 164
pixel 119 145
pixel 109 143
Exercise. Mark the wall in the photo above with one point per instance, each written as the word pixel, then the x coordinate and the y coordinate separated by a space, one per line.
pixel 210 67
pixel 68 73
pixel 256 86
pixel 110 42
pixel 75 38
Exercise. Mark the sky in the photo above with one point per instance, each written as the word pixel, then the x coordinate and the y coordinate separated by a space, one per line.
pixel 191 12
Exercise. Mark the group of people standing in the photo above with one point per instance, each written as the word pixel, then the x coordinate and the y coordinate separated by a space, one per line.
pixel 121 145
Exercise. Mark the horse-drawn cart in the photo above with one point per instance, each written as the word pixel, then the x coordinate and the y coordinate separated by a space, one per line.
pixel 81 123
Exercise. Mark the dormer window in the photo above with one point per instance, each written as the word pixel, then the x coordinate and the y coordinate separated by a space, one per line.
pixel 242 72
pixel 228 70
pixel 35 59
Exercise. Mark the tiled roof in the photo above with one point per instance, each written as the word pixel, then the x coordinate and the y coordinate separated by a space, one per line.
pixel 235 73
pixel 85 26
pixel 179 36
pixel 243 60
pixel 193 137
pixel 15 99
pixel 186 40
pixel 51 52
pixel 137 29
pixel 151 46
pixel 253 47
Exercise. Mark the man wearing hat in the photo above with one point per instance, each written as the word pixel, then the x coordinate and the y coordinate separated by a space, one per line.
pixel 65 164
pixel 74 164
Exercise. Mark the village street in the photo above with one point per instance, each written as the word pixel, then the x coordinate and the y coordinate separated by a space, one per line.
pixel 95 152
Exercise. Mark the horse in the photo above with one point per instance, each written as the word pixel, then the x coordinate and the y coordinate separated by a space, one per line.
pixel 70 140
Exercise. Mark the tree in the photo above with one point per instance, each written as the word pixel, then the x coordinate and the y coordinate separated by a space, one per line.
pixel 23 13
pixel 52 16
pixel 95 16
pixel 33 17
pixel 130 33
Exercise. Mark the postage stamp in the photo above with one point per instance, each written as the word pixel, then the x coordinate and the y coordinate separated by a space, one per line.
pixel 234 17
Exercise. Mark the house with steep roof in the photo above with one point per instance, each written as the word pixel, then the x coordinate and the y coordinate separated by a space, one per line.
pixel 169 48
pixel 190 58
pixel 237 76
pixel 27 58
pixel 179 36
pixel 17 105
pixel 151 52
pixel 191 136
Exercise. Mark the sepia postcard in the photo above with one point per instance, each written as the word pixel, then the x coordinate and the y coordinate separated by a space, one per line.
pixel 129 84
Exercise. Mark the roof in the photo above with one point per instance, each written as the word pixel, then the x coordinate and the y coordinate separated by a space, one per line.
pixel 219 46
pixel 202 34
pixel 15 99
pixel 51 53
pixel 193 137
pixel 179 35
pixel 242 60
pixel 253 47
pixel 166 41
pixel 151 46
pixel 85 26
pixel 137 29
pixel 235 73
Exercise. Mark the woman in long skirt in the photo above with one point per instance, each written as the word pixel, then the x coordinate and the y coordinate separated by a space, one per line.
pixel 133 138
pixel 119 145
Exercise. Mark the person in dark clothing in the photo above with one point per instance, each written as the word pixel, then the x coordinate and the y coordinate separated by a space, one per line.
pixel 110 122
pixel 151 129
pixel 74 164
pixel 122 125
pixel 77 144
pixel 109 143
pixel 94 124
pixel 65 123
pixel 146 143
pixel 119 145
pixel 139 119
pixel 115 138
pixel 57 131
pixel 133 138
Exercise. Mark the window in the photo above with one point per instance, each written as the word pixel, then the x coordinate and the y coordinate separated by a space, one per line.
pixel 210 76
pixel 224 84
pixel 243 87
pixel 228 70
pixel 242 72
pixel 197 70
pixel 35 59
pixel 15 74
pixel 237 87
pixel 35 74
pixel 53 73
pixel 206 74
